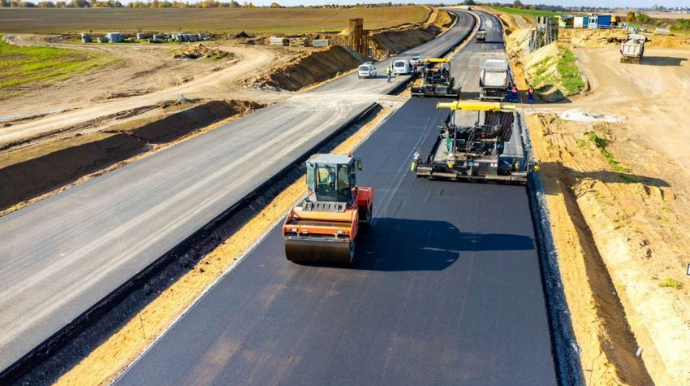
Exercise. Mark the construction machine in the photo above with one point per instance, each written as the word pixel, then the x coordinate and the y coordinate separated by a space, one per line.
pixel 632 49
pixel 487 150
pixel 435 79
pixel 494 79
pixel 323 227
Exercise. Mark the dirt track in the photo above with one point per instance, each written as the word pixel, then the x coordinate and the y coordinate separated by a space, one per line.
pixel 633 224
pixel 148 76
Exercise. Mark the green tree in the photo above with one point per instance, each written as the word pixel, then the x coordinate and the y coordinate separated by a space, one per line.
pixel 630 16
pixel 517 4
pixel 643 18
pixel 276 5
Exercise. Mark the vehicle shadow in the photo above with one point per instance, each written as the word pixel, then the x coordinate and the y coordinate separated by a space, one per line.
pixel 661 61
pixel 391 244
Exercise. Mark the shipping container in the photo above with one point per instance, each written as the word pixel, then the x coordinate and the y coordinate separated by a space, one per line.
pixel 604 21
pixel 593 22
pixel 580 22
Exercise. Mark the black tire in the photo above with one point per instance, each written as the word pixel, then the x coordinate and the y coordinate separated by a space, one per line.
pixel 365 217
pixel 352 251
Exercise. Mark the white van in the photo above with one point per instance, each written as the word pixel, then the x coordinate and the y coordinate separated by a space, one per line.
pixel 401 67
pixel 366 70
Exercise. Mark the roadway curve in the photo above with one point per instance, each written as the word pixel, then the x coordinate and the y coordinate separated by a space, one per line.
pixel 446 289
pixel 61 256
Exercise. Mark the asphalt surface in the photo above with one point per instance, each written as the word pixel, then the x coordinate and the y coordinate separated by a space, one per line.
pixel 63 255
pixel 445 290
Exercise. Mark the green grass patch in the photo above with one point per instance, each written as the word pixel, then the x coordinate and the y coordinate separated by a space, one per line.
pixel 671 283
pixel 526 12
pixel 23 65
pixel 571 78
pixel 600 144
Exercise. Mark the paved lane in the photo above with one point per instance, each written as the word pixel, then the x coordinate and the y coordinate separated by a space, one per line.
pixel 61 256
pixel 446 290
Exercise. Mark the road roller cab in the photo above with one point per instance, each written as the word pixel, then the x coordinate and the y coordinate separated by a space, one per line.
pixel 324 226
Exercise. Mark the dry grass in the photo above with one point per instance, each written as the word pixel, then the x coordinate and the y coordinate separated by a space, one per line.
pixel 253 20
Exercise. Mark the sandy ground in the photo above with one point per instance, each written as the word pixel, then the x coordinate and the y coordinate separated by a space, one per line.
pixel 147 76
pixel 624 232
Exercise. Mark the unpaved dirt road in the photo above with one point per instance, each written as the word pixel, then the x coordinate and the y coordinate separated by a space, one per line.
pixel 638 222
pixel 148 75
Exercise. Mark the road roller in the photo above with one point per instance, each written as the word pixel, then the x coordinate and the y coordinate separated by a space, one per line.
pixel 323 227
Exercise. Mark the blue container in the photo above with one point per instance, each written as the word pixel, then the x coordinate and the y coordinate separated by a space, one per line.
pixel 593 22
pixel 604 21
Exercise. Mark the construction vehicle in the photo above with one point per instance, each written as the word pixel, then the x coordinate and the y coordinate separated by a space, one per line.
pixel 435 79
pixel 489 151
pixel 323 227
pixel 494 80
pixel 481 35
pixel 632 49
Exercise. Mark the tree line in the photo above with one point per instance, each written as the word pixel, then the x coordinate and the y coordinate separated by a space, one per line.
pixel 133 4
pixel 160 4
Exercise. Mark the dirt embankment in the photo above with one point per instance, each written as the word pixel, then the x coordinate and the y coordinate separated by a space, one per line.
pixel 320 65
pixel 618 201
pixel 404 38
pixel 311 68
pixel 596 38
pixel 32 171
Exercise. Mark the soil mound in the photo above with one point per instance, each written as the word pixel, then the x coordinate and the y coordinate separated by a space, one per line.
pixel 30 172
pixel 311 68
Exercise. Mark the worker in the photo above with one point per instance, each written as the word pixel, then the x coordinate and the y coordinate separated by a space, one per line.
pixel 530 94
pixel 390 73
pixel 514 93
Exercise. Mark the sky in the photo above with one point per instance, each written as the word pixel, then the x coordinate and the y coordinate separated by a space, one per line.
pixel 600 3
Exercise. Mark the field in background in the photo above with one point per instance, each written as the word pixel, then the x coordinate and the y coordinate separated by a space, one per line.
pixel 253 20
pixel 22 65
pixel 526 12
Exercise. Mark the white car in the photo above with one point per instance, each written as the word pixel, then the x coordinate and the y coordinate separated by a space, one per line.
pixel 402 67
pixel 366 70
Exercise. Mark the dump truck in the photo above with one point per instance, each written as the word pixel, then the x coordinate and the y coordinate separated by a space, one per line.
pixel 435 79
pixel 632 49
pixel 323 227
pixel 481 35
pixel 494 80
pixel 489 150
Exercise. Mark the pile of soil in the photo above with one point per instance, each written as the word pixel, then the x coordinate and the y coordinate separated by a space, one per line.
pixel 200 51
pixel 178 124
pixel 390 42
pixel 29 172
pixel 34 176
pixel 595 38
pixel 310 68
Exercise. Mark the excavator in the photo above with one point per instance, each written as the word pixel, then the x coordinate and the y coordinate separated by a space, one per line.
pixel 435 79
pixel 487 151
pixel 323 227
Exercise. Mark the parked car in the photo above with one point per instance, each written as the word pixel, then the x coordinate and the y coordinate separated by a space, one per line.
pixel 401 67
pixel 367 70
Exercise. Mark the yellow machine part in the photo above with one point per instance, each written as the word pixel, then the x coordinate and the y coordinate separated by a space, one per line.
pixel 436 60
pixel 476 106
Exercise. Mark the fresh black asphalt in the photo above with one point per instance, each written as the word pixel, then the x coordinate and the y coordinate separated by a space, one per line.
pixel 446 290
